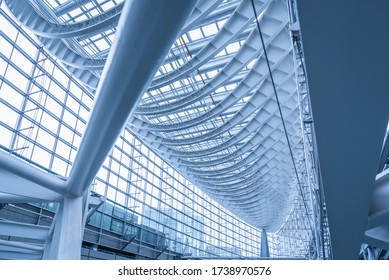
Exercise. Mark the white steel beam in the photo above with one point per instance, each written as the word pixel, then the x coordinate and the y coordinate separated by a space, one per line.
pixel 14 167
pixel 130 67
pixel 17 245
pixel 16 229
pixel 16 189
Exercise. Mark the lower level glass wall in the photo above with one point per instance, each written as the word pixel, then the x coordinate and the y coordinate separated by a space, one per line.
pixel 154 195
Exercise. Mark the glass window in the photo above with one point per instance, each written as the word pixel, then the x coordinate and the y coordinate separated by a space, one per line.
pixel 11 96
pixel 28 47
pixel 12 32
pixel 6 47
pixel 41 157
pixel 117 226
pixel 210 29
pixel 8 116
pixel 21 61
pixel 70 119
pixel 195 34
pixel 16 78
pixel 63 149
pixel 49 122
pixel 45 139
pixel 6 136
pixel 53 106
pixel 72 104
pixel 56 91
pixel 66 134
pixel 59 166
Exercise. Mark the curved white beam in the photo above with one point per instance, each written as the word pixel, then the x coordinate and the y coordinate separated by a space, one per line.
pixel 41 27
pixel 238 21
pixel 125 78
pixel 40 178
pixel 254 78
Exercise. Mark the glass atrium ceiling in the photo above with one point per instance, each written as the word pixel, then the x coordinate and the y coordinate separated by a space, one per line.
pixel 213 110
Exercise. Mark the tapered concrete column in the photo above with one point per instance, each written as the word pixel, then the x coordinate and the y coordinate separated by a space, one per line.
pixel 264 245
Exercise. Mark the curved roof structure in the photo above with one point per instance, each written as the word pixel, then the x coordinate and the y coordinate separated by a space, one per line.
pixel 215 116
pixel 218 91
pixel 214 111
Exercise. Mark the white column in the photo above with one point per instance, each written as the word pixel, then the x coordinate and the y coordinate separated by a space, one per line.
pixel 66 240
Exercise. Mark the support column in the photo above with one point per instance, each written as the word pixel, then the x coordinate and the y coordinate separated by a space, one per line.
pixel 66 240
pixel 264 245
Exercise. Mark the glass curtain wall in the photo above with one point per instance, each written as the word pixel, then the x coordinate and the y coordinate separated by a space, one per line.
pixel 44 111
